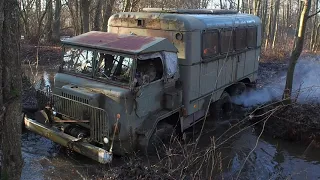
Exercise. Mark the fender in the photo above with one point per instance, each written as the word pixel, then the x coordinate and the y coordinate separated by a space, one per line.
pixel 144 132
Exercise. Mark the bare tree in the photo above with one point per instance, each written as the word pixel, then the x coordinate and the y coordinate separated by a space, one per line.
pixel 10 93
pixel 85 5
pixel 97 16
pixel 40 14
pixel 49 21
pixel 56 23
pixel 298 46
pixel 314 28
pixel 107 13
pixel 26 13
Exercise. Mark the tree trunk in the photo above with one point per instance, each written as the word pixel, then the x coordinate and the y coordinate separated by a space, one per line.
pixel 297 49
pixel 288 14
pixel 275 34
pixel 264 18
pixel 314 29
pixel 85 14
pixel 56 23
pixel 78 18
pixel 256 7
pixel 97 16
pixel 316 41
pixel 126 6
pixel 10 96
pixel 1 33
pixel 268 28
pixel 274 18
pixel 49 21
pixel 238 5
pixel 107 14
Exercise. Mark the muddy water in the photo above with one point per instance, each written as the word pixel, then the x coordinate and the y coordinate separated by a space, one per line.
pixel 272 159
pixel 269 158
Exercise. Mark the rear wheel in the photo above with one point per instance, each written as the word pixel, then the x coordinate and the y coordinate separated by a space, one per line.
pixel 238 89
pixel 223 107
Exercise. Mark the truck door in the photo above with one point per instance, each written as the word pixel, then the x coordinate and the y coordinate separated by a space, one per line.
pixel 149 86
pixel 148 98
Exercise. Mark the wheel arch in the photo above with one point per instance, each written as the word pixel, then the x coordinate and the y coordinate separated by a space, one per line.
pixel 145 131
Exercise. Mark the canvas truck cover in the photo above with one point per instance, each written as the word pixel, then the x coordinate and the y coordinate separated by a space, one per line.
pixel 128 44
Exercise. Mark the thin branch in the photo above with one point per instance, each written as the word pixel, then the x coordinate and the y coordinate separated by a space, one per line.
pixel 256 144
pixel 310 16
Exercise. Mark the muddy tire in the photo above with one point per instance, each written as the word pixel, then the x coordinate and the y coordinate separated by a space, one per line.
pixel 159 139
pixel 238 89
pixel 251 85
pixel 223 107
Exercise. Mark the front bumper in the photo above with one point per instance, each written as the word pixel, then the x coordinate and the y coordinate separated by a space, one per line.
pixel 84 148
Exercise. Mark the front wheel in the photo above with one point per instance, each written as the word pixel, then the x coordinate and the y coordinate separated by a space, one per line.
pixel 162 134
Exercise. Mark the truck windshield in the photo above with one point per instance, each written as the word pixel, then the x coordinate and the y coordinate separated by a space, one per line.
pixel 98 65
pixel 78 61
pixel 113 67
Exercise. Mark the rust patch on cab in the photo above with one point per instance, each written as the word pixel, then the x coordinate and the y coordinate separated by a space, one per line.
pixel 111 41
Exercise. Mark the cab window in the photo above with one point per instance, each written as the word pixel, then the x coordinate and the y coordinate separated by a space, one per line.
pixel 148 70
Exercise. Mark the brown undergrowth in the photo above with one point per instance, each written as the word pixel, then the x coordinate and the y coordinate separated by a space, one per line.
pixel 294 122
pixel 44 54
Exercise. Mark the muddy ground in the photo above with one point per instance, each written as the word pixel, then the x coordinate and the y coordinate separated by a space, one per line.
pixel 297 122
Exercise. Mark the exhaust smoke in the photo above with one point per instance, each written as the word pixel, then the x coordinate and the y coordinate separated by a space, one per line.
pixel 306 85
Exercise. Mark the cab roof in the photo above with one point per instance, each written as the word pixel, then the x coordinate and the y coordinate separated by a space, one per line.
pixel 129 44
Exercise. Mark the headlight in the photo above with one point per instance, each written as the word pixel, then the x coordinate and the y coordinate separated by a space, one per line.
pixel 106 140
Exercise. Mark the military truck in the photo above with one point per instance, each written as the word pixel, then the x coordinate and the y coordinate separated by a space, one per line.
pixel 153 71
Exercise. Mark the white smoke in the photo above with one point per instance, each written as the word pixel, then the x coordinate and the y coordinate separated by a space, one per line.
pixel 306 86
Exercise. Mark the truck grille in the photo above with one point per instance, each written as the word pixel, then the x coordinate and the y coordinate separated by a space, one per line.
pixel 78 109
pixel 76 98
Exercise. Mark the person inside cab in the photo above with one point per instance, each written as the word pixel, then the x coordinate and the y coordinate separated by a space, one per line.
pixel 148 71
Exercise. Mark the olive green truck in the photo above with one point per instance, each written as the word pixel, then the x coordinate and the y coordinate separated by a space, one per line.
pixel 153 71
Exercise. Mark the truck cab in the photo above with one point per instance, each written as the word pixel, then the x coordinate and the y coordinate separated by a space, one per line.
pixel 110 84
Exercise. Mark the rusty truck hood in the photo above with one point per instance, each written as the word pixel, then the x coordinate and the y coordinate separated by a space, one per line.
pixel 111 91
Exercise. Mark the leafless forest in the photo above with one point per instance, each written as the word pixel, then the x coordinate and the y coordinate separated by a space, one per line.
pixel 289 27
pixel 47 20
